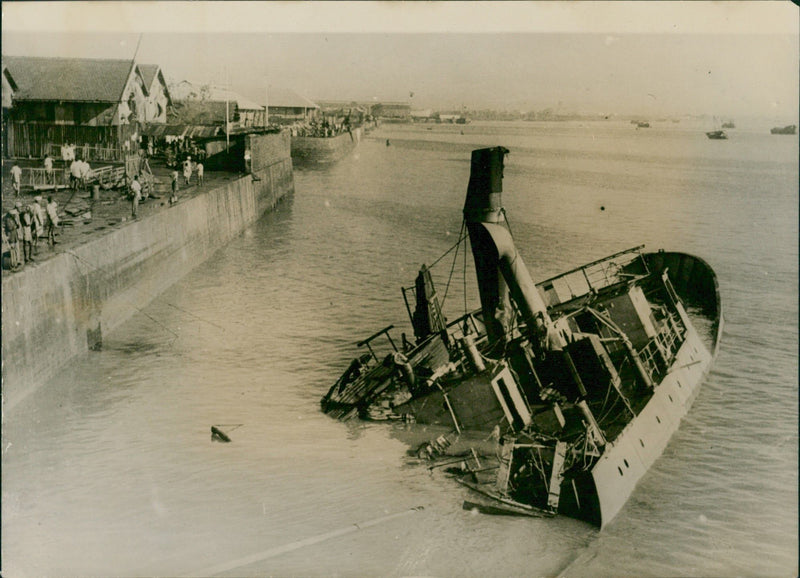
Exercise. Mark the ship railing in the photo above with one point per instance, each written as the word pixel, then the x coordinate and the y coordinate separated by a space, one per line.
pixel 368 341
pixel 661 349
pixel 591 277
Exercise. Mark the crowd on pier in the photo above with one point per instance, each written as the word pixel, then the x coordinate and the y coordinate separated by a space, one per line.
pixel 25 225
pixel 321 129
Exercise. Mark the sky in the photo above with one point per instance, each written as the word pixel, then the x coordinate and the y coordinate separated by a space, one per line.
pixel 643 58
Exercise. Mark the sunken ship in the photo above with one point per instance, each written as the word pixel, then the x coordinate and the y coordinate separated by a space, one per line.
pixel 581 378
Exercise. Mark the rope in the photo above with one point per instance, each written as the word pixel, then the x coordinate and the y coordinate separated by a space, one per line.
pixel 453 266
pixel 461 237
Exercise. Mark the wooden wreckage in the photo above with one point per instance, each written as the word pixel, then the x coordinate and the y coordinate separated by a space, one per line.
pixel 582 378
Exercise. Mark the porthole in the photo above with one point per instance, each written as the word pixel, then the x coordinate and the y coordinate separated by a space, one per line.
pixel 641 442
pixel 620 470
pixel 626 463
pixel 658 419
pixel 670 397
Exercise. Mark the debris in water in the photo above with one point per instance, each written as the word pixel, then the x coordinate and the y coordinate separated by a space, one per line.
pixel 217 435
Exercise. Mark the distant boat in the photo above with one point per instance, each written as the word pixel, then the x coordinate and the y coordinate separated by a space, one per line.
pixel 643 124
pixel 717 135
pixel 790 129
pixel 728 124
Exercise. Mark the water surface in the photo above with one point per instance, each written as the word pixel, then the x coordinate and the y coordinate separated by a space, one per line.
pixel 110 470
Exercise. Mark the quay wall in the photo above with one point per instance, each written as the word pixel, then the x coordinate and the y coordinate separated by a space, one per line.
pixel 61 307
pixel 307 150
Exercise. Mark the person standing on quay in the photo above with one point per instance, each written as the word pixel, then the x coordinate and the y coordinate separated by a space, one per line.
pixel 48 170
pixel 52 219
pixel 136 196
pixel 85 170
pixel 187 170
pixel 16 178
pixel 75 174
pixel 174 198
pixel 26 219
pixel 11 233
pixel 200 171
pixel 38 222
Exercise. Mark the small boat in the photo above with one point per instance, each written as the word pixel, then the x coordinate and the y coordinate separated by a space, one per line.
pixel 717 135
pixel 643 124
pixel 581 378
pixel 790 129
pixel 729 124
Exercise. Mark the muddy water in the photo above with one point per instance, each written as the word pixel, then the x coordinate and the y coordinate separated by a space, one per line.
pixel 110 469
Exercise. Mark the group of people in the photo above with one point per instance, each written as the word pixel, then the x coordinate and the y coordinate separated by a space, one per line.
pixel 180 148
pixel 79 171
pixel 136 194
pixel 190 167
pixel 24 225
pixel 326 128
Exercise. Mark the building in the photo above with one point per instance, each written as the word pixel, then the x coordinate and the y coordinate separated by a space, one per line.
pixel 392 111
pixel 287 107
pixel 205 104
pixel 76 91
pixel 95 103
pixel 195 101
pixel 158 98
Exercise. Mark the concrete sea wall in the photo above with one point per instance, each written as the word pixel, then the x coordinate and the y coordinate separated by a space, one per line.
pixel 308 150
pixel 62 307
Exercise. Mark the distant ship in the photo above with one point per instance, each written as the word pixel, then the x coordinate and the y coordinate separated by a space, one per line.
pixel 643 124
pixel 728 124
pixel 790 129
pixel 582 378
pixel 717 135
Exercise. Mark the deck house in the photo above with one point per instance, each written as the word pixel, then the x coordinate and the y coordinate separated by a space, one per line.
pixel 94 103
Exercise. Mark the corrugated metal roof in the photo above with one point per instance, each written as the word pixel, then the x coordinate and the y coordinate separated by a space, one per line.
pixel 186 130
pixel 68 79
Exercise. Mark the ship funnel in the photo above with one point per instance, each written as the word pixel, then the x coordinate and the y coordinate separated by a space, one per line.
pixel 484 192
pixel 499 267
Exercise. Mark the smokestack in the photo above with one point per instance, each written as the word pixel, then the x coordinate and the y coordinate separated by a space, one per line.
pixel 484 192
pixel 498 265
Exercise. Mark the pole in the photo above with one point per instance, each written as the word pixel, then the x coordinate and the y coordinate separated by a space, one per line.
pixel 227 111
pixel 266 103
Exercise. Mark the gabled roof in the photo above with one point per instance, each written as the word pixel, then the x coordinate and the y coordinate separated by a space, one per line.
pixel 68 79
pixel 287 98
pixel 151 72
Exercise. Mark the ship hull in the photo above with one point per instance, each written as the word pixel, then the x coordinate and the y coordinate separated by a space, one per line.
pixel 628 458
